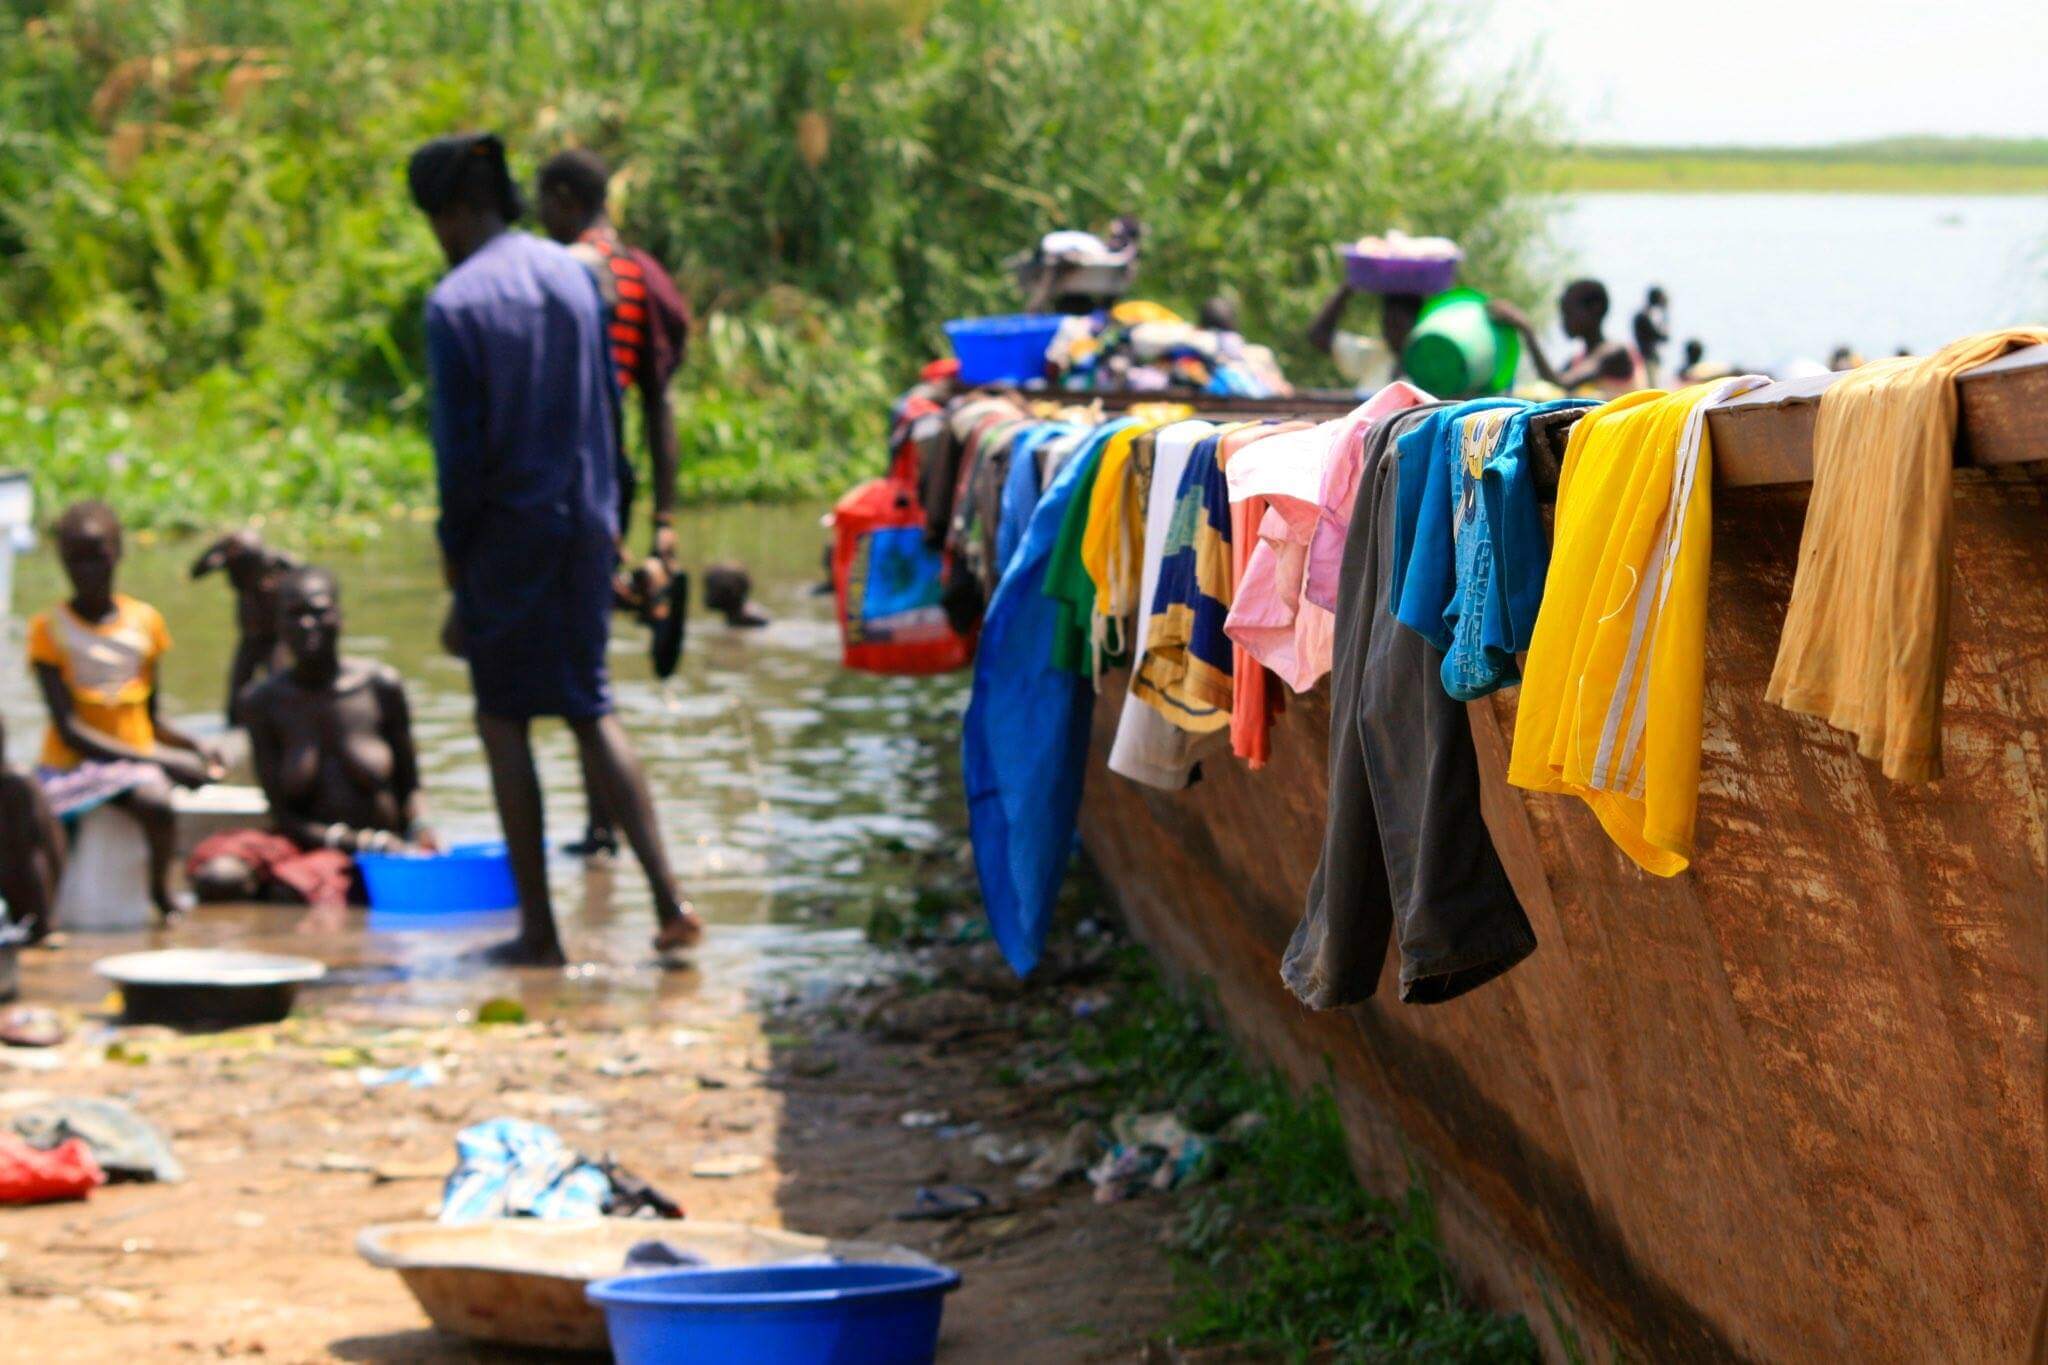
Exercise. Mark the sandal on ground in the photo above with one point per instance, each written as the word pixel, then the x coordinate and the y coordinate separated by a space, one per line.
pixel 936 1203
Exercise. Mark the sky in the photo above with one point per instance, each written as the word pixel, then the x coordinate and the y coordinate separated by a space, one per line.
pixel 1772 72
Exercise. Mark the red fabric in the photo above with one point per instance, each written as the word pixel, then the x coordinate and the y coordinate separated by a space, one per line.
pixel 319 877
pixel 29 1175
pixel 929 645
pixel 652 320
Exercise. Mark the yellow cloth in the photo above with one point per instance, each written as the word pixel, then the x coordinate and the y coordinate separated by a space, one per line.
pixel 1865 645
pixel 108 667
pixel 1113 540
pixel 1131 312
pixel 1612 694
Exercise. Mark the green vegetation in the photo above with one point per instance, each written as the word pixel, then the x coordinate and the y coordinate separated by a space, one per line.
pixel 1283 1251
pixel 1907 165
pixel 210 276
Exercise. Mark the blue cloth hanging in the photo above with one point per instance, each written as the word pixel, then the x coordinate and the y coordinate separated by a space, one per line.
pixel 1024 746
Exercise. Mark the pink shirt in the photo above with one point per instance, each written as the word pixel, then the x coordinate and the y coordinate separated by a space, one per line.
pixel 1339 488
pixel 1267 616
pixel 1252 707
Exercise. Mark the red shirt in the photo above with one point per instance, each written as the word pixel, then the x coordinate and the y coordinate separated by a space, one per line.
pixel 628 333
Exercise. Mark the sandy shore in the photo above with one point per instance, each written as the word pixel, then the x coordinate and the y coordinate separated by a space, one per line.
pixel 290 1154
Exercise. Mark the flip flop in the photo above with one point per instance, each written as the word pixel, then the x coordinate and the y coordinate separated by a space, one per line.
pixel 936 1203
pixel 665 645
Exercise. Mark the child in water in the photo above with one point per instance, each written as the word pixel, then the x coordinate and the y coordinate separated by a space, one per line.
pixel 31 849
pixel 726 589
pixel 95 658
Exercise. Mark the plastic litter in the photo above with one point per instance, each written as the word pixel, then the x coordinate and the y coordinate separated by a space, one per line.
pixel 1067 1159
pixel 1150 1152
pixel 421 1077
pixel 1001 1151
pixel 126 1146
pixel 31 1175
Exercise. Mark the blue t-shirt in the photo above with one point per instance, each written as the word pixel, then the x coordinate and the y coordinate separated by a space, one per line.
pixel 1470 553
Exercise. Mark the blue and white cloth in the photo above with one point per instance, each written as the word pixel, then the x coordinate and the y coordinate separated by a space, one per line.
pixel 511 1168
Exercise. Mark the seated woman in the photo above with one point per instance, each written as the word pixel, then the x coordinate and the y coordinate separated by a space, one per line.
pixel 31 850
pixel 95 658
pixel 332 743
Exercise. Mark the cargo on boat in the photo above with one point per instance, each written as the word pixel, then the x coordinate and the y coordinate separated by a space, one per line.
pixel 1786 1105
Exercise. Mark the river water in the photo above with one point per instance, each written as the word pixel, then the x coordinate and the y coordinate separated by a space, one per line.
pixel 1764 279
pixel 794 795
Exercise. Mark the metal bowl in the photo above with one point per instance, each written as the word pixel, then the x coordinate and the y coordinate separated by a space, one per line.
pixel 207 988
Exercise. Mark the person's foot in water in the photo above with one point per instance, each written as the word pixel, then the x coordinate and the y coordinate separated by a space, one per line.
pixel 521 952
pixel 680 928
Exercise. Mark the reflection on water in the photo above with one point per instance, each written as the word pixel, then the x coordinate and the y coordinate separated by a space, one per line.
pixel 790 791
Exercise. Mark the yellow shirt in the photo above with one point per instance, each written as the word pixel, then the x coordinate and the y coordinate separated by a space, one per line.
pixel 1111 541
pixel 109 668
pixel 1612 695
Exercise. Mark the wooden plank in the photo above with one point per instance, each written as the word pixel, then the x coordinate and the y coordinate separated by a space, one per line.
pixel 1765 437
pixel 1305 404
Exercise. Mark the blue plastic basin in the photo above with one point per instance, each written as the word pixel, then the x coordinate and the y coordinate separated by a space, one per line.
pixel 852 1314
pixel 466 880
pixel 1003 350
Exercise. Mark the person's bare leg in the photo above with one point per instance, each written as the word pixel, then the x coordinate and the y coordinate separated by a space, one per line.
pixel 600 832
pixel 608 756
pixel 28 876
pixel 150 804
pixel 515 784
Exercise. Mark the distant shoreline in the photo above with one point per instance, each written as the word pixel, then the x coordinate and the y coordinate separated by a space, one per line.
pixel 1891 166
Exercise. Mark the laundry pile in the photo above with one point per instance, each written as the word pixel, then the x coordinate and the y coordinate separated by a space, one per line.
pixel 1402 550
pixel 1143 347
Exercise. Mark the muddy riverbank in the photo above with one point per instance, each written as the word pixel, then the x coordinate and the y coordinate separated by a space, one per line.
pixel 773 1070
pixel 800 800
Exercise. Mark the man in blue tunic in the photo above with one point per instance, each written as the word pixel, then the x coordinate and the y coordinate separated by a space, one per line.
pixel 524 451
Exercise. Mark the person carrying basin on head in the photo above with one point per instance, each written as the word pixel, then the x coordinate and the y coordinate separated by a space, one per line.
pixel 525 399
pixel 1364 362
pixel 1600 368
pixel 95 657
pixel 332 742
pixel 1406 273
pixel 647 328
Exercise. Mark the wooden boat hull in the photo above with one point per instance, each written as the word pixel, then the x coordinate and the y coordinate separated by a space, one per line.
pixel 1787 1106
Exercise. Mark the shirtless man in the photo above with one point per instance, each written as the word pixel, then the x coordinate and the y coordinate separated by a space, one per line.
pixel 1600 367
pixel 332 742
